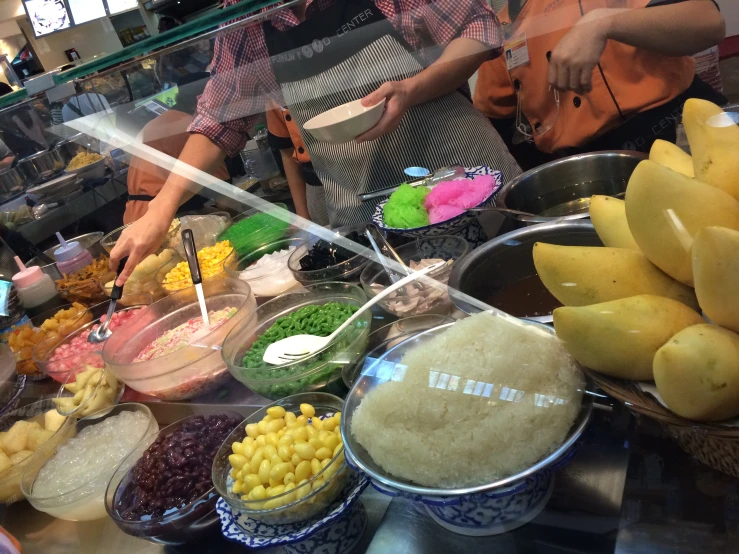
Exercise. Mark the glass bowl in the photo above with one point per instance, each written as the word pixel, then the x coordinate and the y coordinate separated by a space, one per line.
pixel 170 286
pixel 181 525
pixel 147 280
pixel 60 367
pixel 10 479
pixel 265 286
pixel 85 502
pixel 173 234
pixel 417 298
pixel 105 393
pixel 314 372
pixel 301 503
pixel 388 336
pixel 348 270
pixel 254 228
pixel 193 369
pixel 205 228
pixel 57 329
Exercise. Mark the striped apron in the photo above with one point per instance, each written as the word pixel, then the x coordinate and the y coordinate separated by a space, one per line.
pixel 346 52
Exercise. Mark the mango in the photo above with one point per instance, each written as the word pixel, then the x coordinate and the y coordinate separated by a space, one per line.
pixel 672 156
pixel 716 275
pixel 620 338
pixel 713 136
pixel 583 275
pixel 608 215
pixel 665 210
pixel 697 373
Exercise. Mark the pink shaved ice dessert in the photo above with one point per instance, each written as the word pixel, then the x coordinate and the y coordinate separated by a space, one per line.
pixel 451 198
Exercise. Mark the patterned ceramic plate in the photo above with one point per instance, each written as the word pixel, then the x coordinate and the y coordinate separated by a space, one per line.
pixel 450 226
pixel 255 534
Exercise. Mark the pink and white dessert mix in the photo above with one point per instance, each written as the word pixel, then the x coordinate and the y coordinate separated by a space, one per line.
pixel 187 333
pixel 448 199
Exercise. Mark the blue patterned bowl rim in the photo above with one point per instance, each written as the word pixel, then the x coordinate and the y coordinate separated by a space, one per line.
pixel 378 218
pixel 294 532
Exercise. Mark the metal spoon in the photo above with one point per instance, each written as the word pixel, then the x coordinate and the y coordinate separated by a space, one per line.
pixel 102 333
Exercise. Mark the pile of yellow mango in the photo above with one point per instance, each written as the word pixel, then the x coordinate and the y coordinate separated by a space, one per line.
pixel 632 308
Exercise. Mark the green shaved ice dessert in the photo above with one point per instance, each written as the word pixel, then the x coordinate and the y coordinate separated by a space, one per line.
pixel 404 209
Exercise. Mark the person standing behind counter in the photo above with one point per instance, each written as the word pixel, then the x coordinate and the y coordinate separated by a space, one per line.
pixel 587 75
pixel 306 188
pixel 322 53
pixel 166 133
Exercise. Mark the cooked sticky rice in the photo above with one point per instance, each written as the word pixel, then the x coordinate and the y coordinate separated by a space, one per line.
pixel 487 398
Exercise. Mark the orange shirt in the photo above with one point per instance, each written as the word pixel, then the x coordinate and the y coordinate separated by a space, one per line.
pixel 282 125
pixel 167 133
pixel 638 79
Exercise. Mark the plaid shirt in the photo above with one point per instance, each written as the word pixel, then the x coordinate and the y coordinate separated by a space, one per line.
pixel 242 80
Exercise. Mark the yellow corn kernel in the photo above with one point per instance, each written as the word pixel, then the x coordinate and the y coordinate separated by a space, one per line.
pixel 279 471
pixel 261 441
pixel 318 483
pixel 331 441
pixel 248 441
pixel 269 451
pixel 315 466
pixel 302 420
pixel 267 418
pixel 273 503
pixel 312 431
pixel 295 458
pixel 258 493
pixel 337 417
pixel 279 489
pixel 300 434
pixel 281 432
pixel 331 469
pixel 233 472
pixel 274 482
pixel 237 448
pixel 289 495
pixel 316 423
pixel 290 417
pixel 238 486
pixel 316 443
pixel 256 461
pixel 307 410
pixel 325 462
pixel 262 427
pixel 323 453
pixel 275 425
pixel 237 460
pixel 264 471
pixel 305 450
pixel 248 451
pixel 272 438
pixel 302 491
pixel 337 449
pixel 289 478
pixel 252 481
pixel 252 430
pixel 276 411
pixel 287 440
pixel 329 424
pixel 284 453
pixel 302 471
pixel 276 460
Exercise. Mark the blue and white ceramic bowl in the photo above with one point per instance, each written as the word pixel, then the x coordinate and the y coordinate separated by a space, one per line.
pixel 333 532
pixel 451 226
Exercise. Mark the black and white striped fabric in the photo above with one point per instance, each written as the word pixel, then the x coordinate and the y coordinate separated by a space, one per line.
pixel 445 131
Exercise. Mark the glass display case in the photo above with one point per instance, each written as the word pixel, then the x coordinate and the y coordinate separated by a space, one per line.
pixel 554 370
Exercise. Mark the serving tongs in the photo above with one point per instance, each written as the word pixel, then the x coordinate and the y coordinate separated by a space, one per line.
pixel 102 333
pixel 379 243
pixel 443 174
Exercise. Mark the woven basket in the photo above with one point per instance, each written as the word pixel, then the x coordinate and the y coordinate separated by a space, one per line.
pixel 717 446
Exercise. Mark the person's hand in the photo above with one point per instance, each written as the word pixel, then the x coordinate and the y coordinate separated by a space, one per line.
pixel 397 97
pixel 576 55
pixel 137 241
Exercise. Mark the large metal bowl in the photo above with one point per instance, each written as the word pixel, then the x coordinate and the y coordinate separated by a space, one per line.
pixel 563 188
pixel 508 259
pixel 41 166
pixel 11 182
pixel 383 370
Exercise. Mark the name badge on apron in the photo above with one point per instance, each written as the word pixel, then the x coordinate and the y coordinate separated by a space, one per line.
pixel 516 51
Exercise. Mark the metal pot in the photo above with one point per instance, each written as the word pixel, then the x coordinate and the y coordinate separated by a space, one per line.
pixel 72 146
pixel 507 262
pixel 11 182
pixel 564 187
pixel 41 166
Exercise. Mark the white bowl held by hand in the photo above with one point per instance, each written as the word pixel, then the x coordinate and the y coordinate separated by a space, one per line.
pixel 346 122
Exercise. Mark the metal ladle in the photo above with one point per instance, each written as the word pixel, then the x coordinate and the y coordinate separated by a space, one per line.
pixel 102 333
